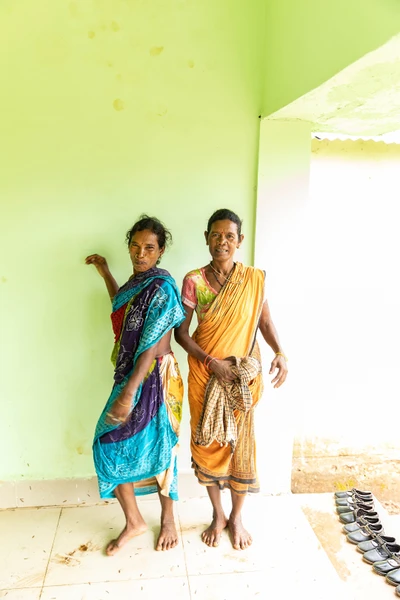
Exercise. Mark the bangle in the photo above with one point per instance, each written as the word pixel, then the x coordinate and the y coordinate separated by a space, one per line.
pixel 205 360
pixel 122 404
pixel 208 362
pixel 281 354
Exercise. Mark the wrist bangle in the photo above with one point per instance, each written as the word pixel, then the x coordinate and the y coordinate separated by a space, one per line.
pixel 122 404
pixel 208 360
pixel 205 360
pixel 281 354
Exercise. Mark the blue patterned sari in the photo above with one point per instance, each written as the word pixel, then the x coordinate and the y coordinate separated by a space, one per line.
pixel 143 449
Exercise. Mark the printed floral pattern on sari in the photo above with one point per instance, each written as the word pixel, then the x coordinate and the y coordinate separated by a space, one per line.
pixel 143 449
pixel 197 293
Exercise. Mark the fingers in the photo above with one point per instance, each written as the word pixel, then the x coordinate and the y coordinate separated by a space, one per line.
pixel 222 381
pixel 94 258
pixel 90 260
pixel 280 378
pixel 230 377
pixel 280 364
pixel 223 372
pixel 111 419
pixel 274 365
pixel 226 378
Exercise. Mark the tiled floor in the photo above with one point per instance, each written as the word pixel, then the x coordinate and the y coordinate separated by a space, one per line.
pixel 360 579
pixel 58 554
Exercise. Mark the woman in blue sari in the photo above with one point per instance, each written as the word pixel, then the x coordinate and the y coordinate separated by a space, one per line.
pixel 136 438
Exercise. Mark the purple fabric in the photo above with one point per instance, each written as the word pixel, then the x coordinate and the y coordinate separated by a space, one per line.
pixel 152 395
pixel 151 399
pixel 132 331
pixel 141 278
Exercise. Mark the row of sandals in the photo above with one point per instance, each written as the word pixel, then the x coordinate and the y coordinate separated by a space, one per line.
pixel 363 527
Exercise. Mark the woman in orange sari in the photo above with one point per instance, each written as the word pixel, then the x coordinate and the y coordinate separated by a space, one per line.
pixel 225 380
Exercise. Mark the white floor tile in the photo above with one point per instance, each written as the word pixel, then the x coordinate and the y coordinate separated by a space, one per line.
pixel 27 536
pixel 148 589
pixel 195 516
pixel 78 555
pixel 235 586
pixel 286 554
pixel 358 578
pixel 284 548
pixel 22 594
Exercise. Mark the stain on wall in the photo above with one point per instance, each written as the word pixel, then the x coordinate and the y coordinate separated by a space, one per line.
pixel 86 154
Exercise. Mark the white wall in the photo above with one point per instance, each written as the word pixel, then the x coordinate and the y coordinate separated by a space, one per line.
pixel 352 297
pixel 279 249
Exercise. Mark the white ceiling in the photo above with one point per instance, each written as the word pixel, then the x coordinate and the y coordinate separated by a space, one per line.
pixel 361 100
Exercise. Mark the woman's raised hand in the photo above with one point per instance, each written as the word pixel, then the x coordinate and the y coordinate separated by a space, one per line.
pixel 99 262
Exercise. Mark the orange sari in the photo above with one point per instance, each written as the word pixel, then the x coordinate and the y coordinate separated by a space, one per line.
pixel 228 329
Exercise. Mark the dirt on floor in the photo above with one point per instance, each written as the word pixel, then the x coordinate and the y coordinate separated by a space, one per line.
pixel 325 528
pixel 331 473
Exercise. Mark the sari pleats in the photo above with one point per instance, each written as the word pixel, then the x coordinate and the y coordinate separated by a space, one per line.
pixel 229 329
pixel 143 450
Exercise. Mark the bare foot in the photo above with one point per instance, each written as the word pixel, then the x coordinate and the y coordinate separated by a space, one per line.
pixel 241 538
pixel 212 535
pixel 126 534
pixel 168 537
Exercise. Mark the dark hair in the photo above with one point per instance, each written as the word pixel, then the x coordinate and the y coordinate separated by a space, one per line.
pixel 164 237
pixel 223 214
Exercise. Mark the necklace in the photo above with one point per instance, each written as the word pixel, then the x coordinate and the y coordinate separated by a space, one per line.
pixel 218 281
pixel 227 278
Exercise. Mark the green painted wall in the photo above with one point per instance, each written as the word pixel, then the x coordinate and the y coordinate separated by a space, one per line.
pixel 108 108
pixel 308 42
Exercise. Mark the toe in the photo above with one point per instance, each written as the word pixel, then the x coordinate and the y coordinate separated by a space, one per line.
pixel 111 549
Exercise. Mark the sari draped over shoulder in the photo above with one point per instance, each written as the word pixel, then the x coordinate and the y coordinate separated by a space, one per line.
pixel 143 450
pixel 228 329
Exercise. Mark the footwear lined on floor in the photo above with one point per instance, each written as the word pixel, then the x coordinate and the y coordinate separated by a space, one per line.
pixel 361 520
pixel 393 577
pixel 345 494
pixel 354 505
pixel 353 515
pixel 353 498
pixel 375 543
pixel 365 533
pixel 381 553
pixel 363 528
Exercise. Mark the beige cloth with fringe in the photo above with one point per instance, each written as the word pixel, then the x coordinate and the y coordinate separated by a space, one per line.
pixel 217 421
